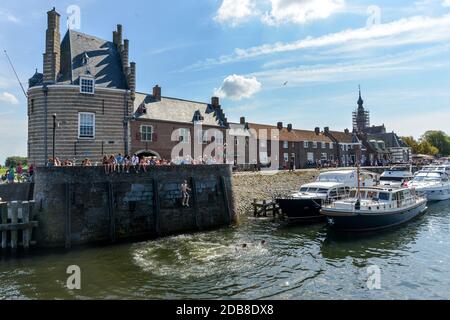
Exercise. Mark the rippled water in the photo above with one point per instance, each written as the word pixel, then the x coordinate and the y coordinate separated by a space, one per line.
pixel 302 262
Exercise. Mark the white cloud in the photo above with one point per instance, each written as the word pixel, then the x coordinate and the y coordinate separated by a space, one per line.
pixel 9 98
pixel 9 17
pixel 446 3
pixel 356 69
pixel 235 11
pixel 237 87
pixel 419 29
pixel 301 11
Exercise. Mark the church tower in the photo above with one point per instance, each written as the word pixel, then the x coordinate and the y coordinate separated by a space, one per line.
pixel 361 117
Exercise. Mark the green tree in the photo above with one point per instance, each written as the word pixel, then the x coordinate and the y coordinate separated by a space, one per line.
pixel 426 148
pixel 438 139
pixel 412 143
pixel 14 161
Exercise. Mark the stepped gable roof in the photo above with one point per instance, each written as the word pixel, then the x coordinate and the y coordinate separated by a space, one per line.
pixel 295 135
pixel 83 54
pixel 390 139
pixel 177 110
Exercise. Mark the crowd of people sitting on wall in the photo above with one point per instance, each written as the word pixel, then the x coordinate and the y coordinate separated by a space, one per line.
pixel 126 163
pixel 17 173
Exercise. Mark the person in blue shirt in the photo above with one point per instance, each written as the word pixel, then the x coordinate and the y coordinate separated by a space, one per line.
pixel 11 175
pixel 120 163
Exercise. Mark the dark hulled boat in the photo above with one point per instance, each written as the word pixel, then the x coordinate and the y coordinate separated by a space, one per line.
pixel 374 209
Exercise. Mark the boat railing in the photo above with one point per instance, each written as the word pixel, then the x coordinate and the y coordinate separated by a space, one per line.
pixel 375 205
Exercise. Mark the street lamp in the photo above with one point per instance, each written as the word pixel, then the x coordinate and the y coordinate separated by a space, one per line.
pixel 54 135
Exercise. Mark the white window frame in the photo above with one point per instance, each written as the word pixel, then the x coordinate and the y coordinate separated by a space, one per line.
pixel 331 145
pixel 87 79
pixel 80 114
pixel 286 144
pixel 286 157
pixel 314 145
pixel 305 144
pixel 142 132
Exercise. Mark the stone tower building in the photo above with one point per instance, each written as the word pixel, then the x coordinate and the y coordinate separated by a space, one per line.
pixel 361 117
pixel 88 86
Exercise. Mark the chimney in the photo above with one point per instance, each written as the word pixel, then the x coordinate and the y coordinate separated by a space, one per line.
pixel 346 131
pixel 119 35
pixel 132 80
pixel 52 55
pixel 157 93
pixel 289 127
pixel 280 125
pixel 242 120
pixel 326 130
pixel 115 38
pixel 125 55
pixel 215 102
pixel 317 130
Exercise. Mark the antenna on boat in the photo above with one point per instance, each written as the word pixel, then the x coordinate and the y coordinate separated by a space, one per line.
pixel 17 77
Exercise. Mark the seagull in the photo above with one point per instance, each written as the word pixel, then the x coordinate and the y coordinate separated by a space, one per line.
pixel 284 84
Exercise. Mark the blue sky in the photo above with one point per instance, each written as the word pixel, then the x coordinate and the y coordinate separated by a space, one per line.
pixel 246 50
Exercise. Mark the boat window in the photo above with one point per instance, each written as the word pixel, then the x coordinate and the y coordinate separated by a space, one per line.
pixel 333 193
pixel 342 191
pixel 371 194
pixel 391 179
pixel 303 189
pixel 383 196
pixel 322 191
pixel 312 190
pixel 395 196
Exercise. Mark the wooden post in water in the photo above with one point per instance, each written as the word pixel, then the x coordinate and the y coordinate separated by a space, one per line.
pixel 27 230
pixel 14 222
pixel 4 220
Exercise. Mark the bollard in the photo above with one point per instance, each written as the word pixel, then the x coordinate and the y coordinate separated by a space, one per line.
pixel 25 220
pixel 4 221
pixel 14 222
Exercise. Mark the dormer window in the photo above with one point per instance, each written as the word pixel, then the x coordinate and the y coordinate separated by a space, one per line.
pixel 87 85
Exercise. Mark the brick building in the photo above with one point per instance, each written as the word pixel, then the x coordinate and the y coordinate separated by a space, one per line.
pixel 87 96
pixel 88 88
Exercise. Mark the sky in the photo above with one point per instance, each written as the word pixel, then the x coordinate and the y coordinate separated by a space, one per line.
pixel 294 61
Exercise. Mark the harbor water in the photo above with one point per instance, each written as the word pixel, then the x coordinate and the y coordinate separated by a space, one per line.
pixel 297 262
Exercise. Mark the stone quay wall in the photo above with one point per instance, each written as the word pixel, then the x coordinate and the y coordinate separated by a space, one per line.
pixel 16 192
pixel 83 205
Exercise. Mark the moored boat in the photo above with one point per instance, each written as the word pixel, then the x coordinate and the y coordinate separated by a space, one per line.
pixel 396 176
pixel 434 184
pixel 305 205
pixel 374 208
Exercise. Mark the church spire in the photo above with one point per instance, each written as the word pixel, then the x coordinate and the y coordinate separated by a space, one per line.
pixel 360 100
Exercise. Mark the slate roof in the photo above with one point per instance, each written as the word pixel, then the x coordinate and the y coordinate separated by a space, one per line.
pixel 292 136
pixel 177 110
pixel 390 139
pixel 343 137
pixel 82 53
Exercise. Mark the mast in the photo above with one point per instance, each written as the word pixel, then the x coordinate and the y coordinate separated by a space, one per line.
pixel 17 77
